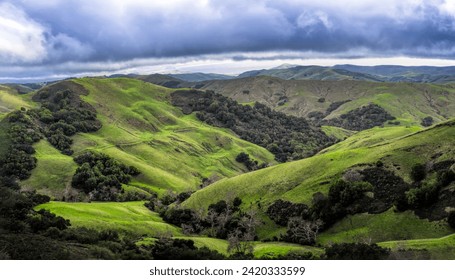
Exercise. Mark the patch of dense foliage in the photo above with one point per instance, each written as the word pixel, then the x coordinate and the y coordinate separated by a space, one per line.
pixel 388 188
pixel 361 118
pixel 427 121
pixel 22 133
pixel 282 211
pixel 63 113
pixel 429 197
pixel 182 249
pixel 356 251
pixel 344 198
pixel 249 163
pixel 303 222
pixel 101 176
pixel 335 105
pixel 287 137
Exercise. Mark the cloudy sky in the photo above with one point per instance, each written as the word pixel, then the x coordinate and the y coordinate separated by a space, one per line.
pixel 50 39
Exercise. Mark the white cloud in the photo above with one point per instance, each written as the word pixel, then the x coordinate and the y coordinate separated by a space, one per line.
pixel 308 20
pixel 21 38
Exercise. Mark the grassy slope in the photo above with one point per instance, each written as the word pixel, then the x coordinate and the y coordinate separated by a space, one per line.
pixel 337 132
pixel 10 100
pixel 140 127
pixel 298 181
pixel 53 172
pixel 382 227
pixel 442 248
pixel 132 217
pixel 409 103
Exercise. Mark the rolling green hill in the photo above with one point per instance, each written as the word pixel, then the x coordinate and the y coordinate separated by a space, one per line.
pixel 398 148
pixel 11 100
pixel 408 102
pixel 140 128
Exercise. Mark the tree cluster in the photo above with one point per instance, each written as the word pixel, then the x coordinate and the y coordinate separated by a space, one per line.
pixel 424 194
pixel 287 137
pixel 182 249
pixel 101 176
pixel 361 118
pixel 356 251
pixel 427 121
pixel 22 133
pixel 63 114
pixel 249 163
pixel 304 223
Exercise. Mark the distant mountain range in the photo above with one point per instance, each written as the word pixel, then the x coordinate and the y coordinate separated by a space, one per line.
pixel 381 73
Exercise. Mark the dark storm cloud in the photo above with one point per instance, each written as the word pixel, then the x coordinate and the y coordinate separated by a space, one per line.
pixel 86 31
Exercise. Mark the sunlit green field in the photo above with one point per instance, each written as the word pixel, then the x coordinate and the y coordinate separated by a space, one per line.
pixel 126 217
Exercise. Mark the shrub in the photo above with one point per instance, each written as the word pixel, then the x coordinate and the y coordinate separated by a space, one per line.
pixel 451 219
pixel 356 251
pixel 418 172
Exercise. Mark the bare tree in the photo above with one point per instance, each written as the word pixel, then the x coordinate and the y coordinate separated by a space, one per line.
pixel 237 244
pixel 250 222
pixel 303 231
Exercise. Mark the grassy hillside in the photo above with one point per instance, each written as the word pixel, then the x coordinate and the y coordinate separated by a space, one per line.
pixel 442 248
pixel 382 227
pixel 409 103
pixel 140 128
pixel 298 181
pixel 53 173
pixel 11 100
pixel 131 217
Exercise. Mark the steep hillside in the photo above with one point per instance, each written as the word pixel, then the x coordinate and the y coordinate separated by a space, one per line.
pixel 11 100
pixel 409 103
pixel 173 152
pixel 397 148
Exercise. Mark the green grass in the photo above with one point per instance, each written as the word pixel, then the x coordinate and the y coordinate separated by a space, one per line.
pixel 442 248
pixel 53 173
pixel 274 249
pixel 337 132
pixel 11 100
pixel 126 217
pixel 382 227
